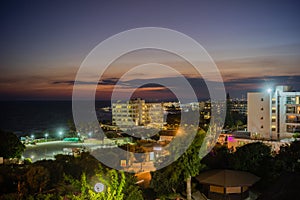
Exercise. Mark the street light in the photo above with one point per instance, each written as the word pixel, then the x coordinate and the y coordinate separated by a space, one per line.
pixel 60 134
pixel 46 135
pixel 32 136
pixel 269 90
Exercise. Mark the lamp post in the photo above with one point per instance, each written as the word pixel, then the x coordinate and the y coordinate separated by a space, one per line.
pixel 46 136
pixel 60 134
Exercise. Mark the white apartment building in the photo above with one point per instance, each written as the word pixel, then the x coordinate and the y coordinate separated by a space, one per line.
pixel 137 112
pixel 274 114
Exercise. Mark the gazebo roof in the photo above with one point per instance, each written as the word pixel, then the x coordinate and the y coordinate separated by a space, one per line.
pixel 227 178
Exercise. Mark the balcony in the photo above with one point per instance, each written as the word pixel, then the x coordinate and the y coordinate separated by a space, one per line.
pixel 293 121
pixel 293 100
pixel 293 128
pixel 293 110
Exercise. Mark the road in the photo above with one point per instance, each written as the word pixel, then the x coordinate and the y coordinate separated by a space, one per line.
pixel 48 150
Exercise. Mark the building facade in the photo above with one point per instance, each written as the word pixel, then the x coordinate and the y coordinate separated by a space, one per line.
pixel 137 112
pixel 205 113
pixel 274 114
pixel 238 106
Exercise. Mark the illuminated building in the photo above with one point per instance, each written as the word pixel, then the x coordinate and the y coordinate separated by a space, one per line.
pixel 274 114
pixel 137 112
pixel 239 106
pixel 205 113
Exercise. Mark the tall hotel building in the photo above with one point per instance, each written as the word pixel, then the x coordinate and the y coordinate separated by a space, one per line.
pixel 137 112
pixel 274 114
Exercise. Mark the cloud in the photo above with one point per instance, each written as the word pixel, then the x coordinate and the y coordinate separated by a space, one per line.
pixel 272 65
pixel 63 82
pixel 149 87
pixel 276 79
pixel 108 81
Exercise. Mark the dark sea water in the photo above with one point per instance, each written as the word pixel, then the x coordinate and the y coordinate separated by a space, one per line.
pixel 25 117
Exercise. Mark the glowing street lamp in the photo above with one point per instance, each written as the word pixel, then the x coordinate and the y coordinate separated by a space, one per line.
pixel 60 134
pixel 32 136
pixel 46 136
pixel 269 90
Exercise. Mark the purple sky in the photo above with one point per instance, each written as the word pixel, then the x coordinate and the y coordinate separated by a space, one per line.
pixel 254 43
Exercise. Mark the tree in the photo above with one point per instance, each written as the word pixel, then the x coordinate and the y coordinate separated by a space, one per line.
pixel 238 123
pixel 10 145
pixel 288 157
pixel 169 179
pixel 38 178
pixel 228 119
pixel 131 190
pixel 72 128
pixel 236 116
pixel 189 162
pixel 11 179
pixel 75 166
pixel 166 181
pixel 252 157
pixel 114 187
pixel 218 158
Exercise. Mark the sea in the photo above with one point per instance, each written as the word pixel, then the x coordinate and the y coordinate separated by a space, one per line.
pixel 29 117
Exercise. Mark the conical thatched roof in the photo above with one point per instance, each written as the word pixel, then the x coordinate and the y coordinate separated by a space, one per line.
pixel 227 178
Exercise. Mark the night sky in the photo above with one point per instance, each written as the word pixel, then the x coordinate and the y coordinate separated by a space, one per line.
pixel 255 44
